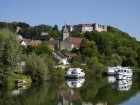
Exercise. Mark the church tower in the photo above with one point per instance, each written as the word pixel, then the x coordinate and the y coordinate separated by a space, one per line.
pixel 65 33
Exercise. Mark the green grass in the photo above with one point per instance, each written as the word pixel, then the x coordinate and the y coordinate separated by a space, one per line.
pixel 11 81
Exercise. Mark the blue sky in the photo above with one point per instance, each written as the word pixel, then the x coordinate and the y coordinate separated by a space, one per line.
pixel 122 14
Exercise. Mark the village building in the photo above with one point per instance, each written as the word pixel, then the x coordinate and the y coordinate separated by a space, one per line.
pixel 59 56
pixel 69 55
pixel 52 43
pixel 27 42
pixel 70 43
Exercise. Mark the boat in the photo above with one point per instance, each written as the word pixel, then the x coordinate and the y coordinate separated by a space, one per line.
pixel 75 83
pixel 111 70
pixel 75 73
pixel 124 73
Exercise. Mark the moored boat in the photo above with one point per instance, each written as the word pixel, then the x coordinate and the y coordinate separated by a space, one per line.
pixel 111 70
pixel 75 73
pixel 124 73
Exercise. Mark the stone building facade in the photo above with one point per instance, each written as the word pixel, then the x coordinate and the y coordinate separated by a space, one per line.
pixel 69 43
pixel 86 27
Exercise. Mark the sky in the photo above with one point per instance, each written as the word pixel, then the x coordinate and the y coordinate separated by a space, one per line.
pixel 121 14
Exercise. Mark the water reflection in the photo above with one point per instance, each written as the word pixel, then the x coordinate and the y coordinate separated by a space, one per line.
pixel 76 92
pixel 123 85
pixel 111 79
pixel 69 96
pixel 75 83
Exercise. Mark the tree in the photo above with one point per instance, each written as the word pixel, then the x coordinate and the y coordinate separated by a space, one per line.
pixel 88 48
pixel 138 56
pixel 128 56
pixel 10 53
pixel 36 68
pixel 55 28
pixel 115 60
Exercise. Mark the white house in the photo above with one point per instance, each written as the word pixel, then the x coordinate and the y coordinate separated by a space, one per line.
pixel 62 59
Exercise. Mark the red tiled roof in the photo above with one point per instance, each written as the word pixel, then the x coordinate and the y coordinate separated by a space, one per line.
pixel 75 41
pixel 60 54
pixel 52 42
pixel 70 54
pixel 35 42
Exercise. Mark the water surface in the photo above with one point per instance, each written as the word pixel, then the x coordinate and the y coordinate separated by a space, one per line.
pixel 105 91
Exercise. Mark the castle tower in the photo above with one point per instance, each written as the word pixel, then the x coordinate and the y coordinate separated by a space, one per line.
pixel 65 33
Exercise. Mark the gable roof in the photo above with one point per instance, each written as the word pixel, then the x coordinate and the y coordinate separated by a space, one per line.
pixel 51 41
pixel 70 54
pixel 76 41
pixel 60 54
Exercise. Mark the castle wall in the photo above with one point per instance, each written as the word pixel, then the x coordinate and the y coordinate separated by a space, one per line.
pixel 88 27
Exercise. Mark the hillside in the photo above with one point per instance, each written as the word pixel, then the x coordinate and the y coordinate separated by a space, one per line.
pixel 111 48
pixel 116 43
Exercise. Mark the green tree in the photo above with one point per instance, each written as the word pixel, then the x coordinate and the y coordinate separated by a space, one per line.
pixel 36 68
pixel 88 48
pixel 10 53
pixel 128 56
pixel 115 60
pixel 138 57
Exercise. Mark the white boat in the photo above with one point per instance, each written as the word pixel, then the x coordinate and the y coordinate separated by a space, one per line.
pixel 124 73
pixel 111 70
pixel 75 73
pixel 75 83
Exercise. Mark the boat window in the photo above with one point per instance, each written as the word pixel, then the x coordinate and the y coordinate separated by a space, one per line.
pixel 127 71
pixel 124 70
pixel 118 70
pixel 121 70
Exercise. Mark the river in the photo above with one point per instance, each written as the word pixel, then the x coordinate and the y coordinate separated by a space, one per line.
pixel 105 91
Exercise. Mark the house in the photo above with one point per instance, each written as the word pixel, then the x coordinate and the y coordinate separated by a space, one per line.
pixel 62 59
pixel 69 55
pixel 71 43
pixel 35 42
pixel 52 43
pixel 26 42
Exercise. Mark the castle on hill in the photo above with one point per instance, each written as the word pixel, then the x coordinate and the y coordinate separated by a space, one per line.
pixel 86 27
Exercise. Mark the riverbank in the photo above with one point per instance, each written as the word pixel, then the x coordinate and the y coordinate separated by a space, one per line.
pixel 11 81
